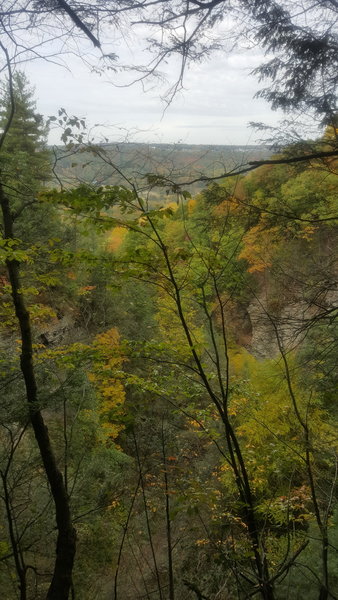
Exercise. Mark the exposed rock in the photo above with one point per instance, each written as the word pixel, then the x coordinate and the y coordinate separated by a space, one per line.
pixel 290 323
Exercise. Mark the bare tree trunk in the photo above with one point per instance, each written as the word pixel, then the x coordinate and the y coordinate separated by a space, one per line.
pixel 168 521
pixel 146 513
pixel 125 530
pixel 66 540
pixel 322 520
pixel 20 567
pixel 265 586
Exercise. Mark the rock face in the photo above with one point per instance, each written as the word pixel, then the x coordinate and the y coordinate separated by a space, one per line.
pixel 57 331
pixel 263 343
pixel 289 325
pixel 291 322
pixel 62 330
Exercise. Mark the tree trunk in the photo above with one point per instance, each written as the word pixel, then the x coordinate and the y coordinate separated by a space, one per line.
pixel 66 539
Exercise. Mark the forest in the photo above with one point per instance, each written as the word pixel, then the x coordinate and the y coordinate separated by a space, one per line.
pixel 168 340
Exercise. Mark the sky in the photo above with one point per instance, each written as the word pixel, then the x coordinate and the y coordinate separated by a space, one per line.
pixel 214 107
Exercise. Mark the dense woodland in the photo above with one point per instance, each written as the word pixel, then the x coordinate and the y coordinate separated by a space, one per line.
pixel 168 331
pixel 184 357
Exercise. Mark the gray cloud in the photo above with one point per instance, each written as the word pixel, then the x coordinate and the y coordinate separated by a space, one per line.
pixel 214 107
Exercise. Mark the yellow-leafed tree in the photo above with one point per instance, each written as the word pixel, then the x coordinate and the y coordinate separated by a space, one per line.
pixel 106 375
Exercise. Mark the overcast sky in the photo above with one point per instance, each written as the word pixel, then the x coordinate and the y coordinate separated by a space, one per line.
pixel 215 106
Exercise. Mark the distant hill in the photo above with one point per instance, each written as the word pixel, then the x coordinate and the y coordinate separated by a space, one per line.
pixel 179 162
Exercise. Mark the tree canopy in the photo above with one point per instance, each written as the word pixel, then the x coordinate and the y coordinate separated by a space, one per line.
pixel 169 366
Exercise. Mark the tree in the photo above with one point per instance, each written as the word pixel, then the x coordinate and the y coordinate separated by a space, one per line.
pixel 25 160
pixel 26 137
pixel 14 255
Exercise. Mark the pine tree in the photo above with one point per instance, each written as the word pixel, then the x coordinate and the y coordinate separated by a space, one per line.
pixel 25 163
pixel 24 157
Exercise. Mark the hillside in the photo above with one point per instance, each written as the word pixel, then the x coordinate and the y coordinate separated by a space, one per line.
pixel 181 162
